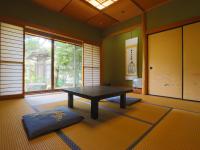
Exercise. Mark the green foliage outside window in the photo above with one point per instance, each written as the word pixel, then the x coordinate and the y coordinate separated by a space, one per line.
pixel 67 64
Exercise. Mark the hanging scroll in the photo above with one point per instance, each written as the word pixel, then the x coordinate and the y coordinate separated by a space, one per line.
pixel 131 58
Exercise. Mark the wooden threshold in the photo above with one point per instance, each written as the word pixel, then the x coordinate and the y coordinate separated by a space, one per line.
pixel 43 91
pixel 8 97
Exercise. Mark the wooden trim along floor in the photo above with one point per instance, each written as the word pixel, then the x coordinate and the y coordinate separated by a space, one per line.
pixel 147 124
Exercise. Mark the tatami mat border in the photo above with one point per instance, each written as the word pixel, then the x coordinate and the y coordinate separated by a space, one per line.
pixel 120 113
pixel 172 107
pixel 149 130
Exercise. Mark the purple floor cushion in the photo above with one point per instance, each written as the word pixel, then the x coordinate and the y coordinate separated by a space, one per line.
pixel 40 123
pixel 129 100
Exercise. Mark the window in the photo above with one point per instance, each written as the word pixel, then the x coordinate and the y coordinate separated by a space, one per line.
pixel 11 59
pixel 68 65
pixel 45 63
pixel 91 65
pixel 38 67
pixel 37 63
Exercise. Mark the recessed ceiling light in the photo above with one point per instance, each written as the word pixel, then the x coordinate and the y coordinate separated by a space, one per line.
pixel 101 4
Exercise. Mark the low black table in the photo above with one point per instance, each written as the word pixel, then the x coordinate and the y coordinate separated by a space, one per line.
pixel 97 93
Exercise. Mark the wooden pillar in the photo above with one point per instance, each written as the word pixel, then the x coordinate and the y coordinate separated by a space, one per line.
pixel 145 56
pixel 52 65
pixel 23 82
pixel 83 64
pixel 101 64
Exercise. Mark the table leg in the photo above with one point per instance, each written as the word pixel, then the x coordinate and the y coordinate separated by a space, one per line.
pixel 94 109
pixel 123 100
pixel 70 100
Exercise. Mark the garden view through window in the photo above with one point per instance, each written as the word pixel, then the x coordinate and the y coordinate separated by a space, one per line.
pixel 38 64
pixel 68 65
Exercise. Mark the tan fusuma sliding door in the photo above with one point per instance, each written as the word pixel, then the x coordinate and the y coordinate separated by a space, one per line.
pixel 165 63
pixel 191 59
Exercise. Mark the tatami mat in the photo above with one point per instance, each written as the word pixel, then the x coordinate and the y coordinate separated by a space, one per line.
pixel 143 111
pixel 110 132
pixel 179 130
pixel 115 129
pixel 12 134
pixel 169 102
pixel 178 126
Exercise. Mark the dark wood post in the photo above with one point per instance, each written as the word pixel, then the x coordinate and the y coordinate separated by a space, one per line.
pixel 123 100
pixel 94 109
pixel 70 100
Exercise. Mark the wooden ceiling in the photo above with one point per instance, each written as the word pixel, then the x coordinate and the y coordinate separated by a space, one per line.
pixel 81 10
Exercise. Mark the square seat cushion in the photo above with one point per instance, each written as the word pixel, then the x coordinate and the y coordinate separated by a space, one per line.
pixel 39 123
pixel 129 100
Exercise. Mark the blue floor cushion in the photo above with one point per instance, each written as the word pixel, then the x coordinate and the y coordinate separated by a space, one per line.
pixel 37 124
pixel 129 100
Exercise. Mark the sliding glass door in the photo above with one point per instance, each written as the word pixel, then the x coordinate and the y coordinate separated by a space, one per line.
pixel 37 63
pixel 78 66
pixel 67 65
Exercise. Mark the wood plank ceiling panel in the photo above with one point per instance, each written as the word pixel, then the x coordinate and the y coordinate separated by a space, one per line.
pixel 80 10
pixel 148 4
pixel 55 5
pixel 102 21
pixel 123 10
pixel 83 11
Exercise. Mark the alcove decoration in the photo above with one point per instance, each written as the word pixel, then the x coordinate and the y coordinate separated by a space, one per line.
pixel 131 50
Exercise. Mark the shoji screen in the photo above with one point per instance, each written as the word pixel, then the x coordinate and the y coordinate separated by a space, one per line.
pixel 91 65
pixel 11 59
pixel 191 59
pixel 165 63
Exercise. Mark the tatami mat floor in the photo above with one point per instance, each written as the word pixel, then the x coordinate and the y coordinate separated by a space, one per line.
pixel 12 134
pixel 155 123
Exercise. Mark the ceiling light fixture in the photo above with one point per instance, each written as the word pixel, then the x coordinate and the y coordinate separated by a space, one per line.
pixel 101 4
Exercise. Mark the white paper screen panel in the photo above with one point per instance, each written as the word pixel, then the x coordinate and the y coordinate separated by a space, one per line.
pixel 96 76
pixel 96 56
pixel 87 55
pixel 11 77
pixel 88 77
pixel 11 43
pixel 91 65
pixel 11 59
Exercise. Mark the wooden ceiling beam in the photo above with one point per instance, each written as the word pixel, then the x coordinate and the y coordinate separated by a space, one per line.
pixel 110 17
pixel 138 5
pixel 91 17
pixel 103 14
pixel 65 5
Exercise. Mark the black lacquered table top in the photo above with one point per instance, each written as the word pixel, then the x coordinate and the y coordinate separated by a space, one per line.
pixel 98 92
